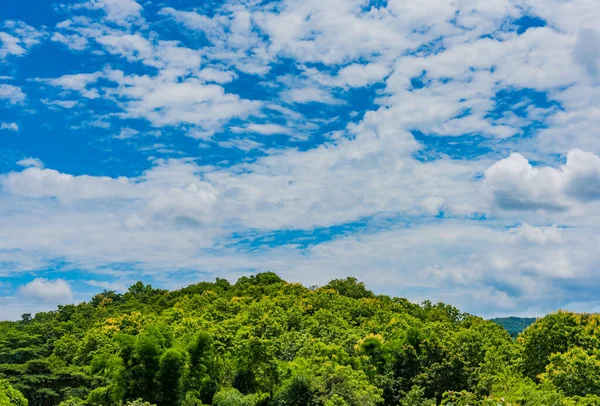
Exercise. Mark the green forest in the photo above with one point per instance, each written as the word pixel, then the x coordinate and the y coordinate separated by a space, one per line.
pixel 263 341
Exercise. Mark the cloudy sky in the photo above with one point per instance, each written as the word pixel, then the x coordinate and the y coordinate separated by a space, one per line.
pixel 440 149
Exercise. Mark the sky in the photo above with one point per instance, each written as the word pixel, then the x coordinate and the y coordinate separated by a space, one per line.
pixel 441 149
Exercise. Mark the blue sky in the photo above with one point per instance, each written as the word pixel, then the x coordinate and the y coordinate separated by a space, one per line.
pixel 447 151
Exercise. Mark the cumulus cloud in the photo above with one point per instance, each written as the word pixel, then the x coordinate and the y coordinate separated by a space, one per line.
pixel 529 234
pixel 187 198
pixel 52 291
pixel 216 75
pixel 517 185
pixel 166 101
pixel 37 182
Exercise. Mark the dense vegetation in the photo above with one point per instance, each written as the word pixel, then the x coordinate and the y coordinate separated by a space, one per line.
pixel 514 325
pixel 263 341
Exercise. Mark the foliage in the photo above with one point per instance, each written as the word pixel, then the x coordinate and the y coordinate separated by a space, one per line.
pixel 9 396
pixel 416 397
pixel 575 372
pixel 263 341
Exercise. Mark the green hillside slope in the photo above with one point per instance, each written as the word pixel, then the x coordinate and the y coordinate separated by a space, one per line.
pixel 263 341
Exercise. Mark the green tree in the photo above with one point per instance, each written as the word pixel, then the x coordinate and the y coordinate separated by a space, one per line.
pixel 297 391
pixel 203 369
pixel 549 335
pixel 575 372
pixel 170 377
pixel 9 396
pixel 350 287
pixel 416 397
pixel 233 397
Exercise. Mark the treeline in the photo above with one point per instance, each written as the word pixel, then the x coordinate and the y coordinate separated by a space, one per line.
pixel 265 342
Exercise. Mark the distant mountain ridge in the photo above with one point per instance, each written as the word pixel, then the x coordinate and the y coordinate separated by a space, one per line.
pixel 514 325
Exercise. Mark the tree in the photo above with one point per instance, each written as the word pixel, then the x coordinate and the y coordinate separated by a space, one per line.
pixel 203 369
pixel 549 335
pixel 9 396
pixel 138 402
pixel 233 397
pixel 266 342
pixel 340 381
pixel 416 397
pixel 297 391
pixel 170 377
pixel 350 287
pixel 575 372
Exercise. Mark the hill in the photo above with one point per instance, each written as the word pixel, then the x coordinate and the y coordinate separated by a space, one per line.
pixel 263 341
pixel 514 325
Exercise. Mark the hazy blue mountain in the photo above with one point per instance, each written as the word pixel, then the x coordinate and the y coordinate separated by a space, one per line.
pixel 514 325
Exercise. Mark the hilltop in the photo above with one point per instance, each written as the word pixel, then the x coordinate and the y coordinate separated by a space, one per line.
pixel 264 341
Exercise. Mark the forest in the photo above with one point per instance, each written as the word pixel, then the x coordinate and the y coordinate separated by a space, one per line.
pixel 263 341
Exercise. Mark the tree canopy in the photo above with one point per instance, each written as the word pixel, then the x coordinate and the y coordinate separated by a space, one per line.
pixel 263 341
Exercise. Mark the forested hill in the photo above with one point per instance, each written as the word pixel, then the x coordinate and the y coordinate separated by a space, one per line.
pixel 514 325
pixel 263 341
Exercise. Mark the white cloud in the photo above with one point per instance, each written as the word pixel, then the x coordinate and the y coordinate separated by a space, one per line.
pixel 216 75
pixel 73 41
pixel 37 182
pixel 65 104
pixel 31 162
pixel 587 52
pixel 133 47
pixel 78 82
pixel 52 291
pixel 310 94
pixel 538 235
pixel 80 32
pixel 357 75
pixel 9 126
pixel 517 185
pixel 233 34
pixel 10 45
pixel 118 11
pixel 12 94
pixel 167 101
pixel 19 39
pixel 243 144
pixel 126 133
pixel 114 286
pixel 184 198
pixel 568 16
